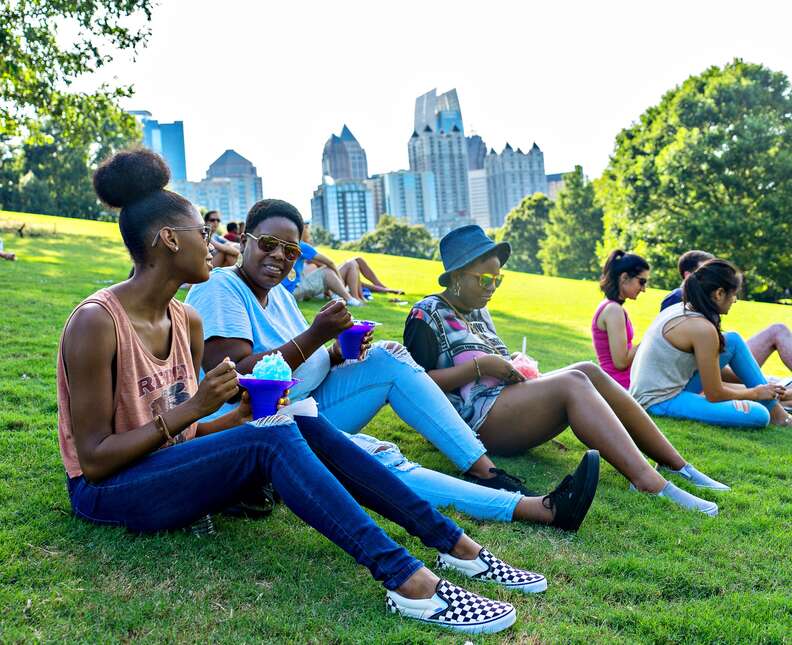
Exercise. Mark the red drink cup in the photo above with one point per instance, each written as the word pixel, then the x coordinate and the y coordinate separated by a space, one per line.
pixel 351 339
pixel 265 394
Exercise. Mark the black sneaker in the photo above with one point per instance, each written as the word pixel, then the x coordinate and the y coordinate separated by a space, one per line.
pixel 573 496
pixel 255 504
pixel 503 481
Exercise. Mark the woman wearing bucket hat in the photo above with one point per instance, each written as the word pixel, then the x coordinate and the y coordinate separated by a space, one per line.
pixel 452 336
pixel 248 313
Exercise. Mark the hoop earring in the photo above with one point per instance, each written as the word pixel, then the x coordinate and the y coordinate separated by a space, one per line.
pixel 239 261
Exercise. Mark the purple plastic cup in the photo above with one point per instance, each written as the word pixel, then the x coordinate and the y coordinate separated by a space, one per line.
pixel 265 394
pixel 351 339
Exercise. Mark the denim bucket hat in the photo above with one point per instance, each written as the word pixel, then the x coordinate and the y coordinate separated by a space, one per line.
pixel 465 245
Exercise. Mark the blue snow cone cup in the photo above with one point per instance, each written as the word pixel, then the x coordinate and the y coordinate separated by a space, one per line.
pixel 351 339
pixel 265 394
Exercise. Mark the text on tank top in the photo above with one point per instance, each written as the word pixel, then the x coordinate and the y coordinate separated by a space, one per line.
pixel 145 386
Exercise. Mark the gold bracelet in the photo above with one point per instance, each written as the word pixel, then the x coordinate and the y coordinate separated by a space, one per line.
pixel 478 371
pixel 299 349
pixel 160 423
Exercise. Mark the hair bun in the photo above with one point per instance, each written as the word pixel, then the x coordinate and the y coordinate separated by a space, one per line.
pixel 130 175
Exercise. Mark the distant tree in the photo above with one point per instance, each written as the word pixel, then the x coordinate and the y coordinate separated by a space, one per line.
pixel 524 229
pixel 709 167
pixel 54 163
pixel 323 237
pixel 573 231
pixel 395 237
pixel 37 63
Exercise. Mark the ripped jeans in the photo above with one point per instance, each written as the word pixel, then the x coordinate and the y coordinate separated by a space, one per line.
pixel 355 391
pixel 690 403
pixel 439 489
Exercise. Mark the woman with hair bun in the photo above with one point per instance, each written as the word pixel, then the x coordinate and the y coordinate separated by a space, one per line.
pixel 677 370
pixel 136 454
pixel 624 276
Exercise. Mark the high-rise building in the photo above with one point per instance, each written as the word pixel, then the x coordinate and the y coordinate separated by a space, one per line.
pixel 411 196
pixel 477 151
pixel 231 186
pixel 377 187
pixel 343 157
pixel 479 198
pixel 511 176
pixel 345 208
pixel 555 182
pixel 438 145
pixel 167 140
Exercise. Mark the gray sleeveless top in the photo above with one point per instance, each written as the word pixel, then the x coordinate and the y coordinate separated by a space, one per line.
pixel 660 371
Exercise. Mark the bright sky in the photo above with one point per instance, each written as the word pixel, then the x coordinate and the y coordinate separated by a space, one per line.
pixel 273 80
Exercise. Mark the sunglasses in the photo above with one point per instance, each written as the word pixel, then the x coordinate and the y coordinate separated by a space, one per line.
pixel 213 221
pixel 205 232
pixel 487 280
pixel 268 243
pixel 642 281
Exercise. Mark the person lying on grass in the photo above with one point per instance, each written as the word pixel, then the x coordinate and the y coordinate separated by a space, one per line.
pixel 247 313
pixel 136 454
pixel 624 276
pixel 774 338
pixel 451 334
pixel 678 369
pixel 351 271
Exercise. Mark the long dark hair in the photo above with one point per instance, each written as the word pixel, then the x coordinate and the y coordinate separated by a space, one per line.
pixel 699 286
pixel 619 262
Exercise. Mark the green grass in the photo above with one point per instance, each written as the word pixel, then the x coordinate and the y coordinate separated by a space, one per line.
pixel 640 570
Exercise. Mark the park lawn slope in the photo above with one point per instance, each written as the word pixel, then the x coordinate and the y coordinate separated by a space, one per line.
pixel 640 570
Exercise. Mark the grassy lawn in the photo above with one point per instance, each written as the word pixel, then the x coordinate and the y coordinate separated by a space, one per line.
pixel 640 570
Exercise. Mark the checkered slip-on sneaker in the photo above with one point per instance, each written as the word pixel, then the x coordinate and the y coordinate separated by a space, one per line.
pixel 455 608
pixel 491 569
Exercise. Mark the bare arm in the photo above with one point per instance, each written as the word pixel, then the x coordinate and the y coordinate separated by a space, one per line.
pixel 451 378
pixel 611 320
pixel 329 322
pixel 226 247
pixel 238 415
pixel 703 341
pixel 322 260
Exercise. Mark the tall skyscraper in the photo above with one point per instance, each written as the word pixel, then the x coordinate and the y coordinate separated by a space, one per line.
pixel 511 176
pixel 411 196
pixel 167 140
pixel 479 197
pixel 345 208
pixel 343 157
pixel 231 186
pixel 477 151
pixel 438 145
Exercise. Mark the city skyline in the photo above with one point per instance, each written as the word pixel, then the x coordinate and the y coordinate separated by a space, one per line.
pixel 569 80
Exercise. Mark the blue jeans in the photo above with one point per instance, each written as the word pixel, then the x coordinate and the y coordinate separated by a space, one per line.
pixel 439 489
pixel 354 392
pixel 171 488
pixel 691 404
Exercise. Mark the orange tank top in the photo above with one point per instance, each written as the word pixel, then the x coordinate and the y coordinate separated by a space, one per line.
pixel 145 385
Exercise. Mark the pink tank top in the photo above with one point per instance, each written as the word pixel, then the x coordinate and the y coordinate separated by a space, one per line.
pixel 145 385
pixel 602 347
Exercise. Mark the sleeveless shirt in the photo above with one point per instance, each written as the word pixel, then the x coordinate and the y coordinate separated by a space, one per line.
pixel 145 385
pixel 602 347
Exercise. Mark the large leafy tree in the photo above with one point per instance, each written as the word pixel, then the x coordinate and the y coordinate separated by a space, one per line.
pixel 524 229
pixel 709 167
pixel 52 138
pixel 45 45
pixel 573 231
pixel 396 237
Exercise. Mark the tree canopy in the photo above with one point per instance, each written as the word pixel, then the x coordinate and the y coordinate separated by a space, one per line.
pixel 37 64
pixel 709 167
pixel 524 229
pixel 573 230
pixel 394 236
